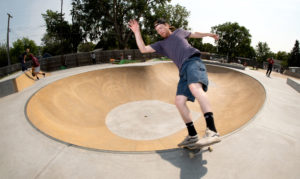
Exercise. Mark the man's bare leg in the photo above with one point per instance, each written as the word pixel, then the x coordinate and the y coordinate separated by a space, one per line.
pixel 211 135
pixel 185 113
pixel 201 97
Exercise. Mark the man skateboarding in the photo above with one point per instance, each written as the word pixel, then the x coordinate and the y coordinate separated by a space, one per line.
pixel 193 81
pixel 35 67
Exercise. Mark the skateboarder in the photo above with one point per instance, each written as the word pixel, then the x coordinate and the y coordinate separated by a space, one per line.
pixel 270 67
pixel 193 81
pixel 35 67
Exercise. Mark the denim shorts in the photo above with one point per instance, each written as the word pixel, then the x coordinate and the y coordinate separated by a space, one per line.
pixel 192 71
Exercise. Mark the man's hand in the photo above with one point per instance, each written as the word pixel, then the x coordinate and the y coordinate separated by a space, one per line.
pixel 134 25
pixel 215 36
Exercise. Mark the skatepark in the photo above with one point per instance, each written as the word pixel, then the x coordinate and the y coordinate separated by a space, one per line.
pixel 120 121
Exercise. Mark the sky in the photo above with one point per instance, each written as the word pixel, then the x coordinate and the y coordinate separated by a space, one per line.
pixel 275 22
pixel 27 18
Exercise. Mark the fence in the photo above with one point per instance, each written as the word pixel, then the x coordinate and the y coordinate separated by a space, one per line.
pixel 9 69
pixel 81 59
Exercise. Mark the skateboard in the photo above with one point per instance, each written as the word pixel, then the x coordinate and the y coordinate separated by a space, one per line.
pixel 194 151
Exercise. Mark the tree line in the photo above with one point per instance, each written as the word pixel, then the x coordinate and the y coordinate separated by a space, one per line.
pixel 103 25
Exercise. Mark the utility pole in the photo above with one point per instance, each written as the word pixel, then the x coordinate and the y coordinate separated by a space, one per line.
pixel 61 7
pixel 8 59
pixel 61 20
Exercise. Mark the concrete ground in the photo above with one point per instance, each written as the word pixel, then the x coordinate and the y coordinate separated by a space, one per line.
pixel 266 147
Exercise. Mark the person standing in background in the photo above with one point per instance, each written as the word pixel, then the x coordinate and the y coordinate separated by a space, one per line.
pixel 270 66
pixel 22 59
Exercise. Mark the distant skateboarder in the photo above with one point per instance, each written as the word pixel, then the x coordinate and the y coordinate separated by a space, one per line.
pixel 270 66
pixel 35 67
pixel 193 81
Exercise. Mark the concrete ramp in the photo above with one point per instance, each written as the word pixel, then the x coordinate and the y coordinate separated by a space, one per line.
pixel 17 83
pixel 24 80
pixel 106 109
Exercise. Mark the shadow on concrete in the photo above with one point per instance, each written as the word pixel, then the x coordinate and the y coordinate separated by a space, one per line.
pixel 190 168
pixel 29 75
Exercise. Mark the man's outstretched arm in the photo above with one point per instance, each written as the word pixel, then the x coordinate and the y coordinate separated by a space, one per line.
pixel 201 35
pixel 134 26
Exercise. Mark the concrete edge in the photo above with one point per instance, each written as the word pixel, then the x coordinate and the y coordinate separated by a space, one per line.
pixel 224 64
pixel 8 87
pixel 294 84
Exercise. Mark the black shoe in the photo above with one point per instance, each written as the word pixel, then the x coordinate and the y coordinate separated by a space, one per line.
pixel 44 74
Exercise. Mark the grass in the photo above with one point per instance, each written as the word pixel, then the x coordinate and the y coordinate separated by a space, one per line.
pixel 125 61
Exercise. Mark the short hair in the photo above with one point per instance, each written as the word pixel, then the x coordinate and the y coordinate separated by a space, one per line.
pixel 160 21
pixel 163 21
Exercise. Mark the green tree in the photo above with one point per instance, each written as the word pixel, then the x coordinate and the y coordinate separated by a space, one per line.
pixel 207 47
pixel 50 45
pixel 19 47
pixel 61 37
pixel 262 51
pixel 86 47
pixel 107 21
pixel 176 16
pixel 197 43
pixel 76 30
pixel 3 54
pixel 294 59
pixel 234 40
pixel 56 40
pixel 283 57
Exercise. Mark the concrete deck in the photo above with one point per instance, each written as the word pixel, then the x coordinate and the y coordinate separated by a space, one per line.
pixel 266 147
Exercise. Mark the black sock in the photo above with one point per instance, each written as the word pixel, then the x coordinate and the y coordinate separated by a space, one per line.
pixel 209 118
pixel 191 129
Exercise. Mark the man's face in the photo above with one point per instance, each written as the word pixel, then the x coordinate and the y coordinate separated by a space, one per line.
pixel 27 50
pixel 163 30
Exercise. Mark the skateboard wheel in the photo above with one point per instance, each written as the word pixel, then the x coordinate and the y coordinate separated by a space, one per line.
pixel 191 155
pixel 210 149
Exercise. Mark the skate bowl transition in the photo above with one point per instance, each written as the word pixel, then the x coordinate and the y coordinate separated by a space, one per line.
pixel 132 108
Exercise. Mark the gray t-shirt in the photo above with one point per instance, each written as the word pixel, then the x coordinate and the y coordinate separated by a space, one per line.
pixel 176 47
